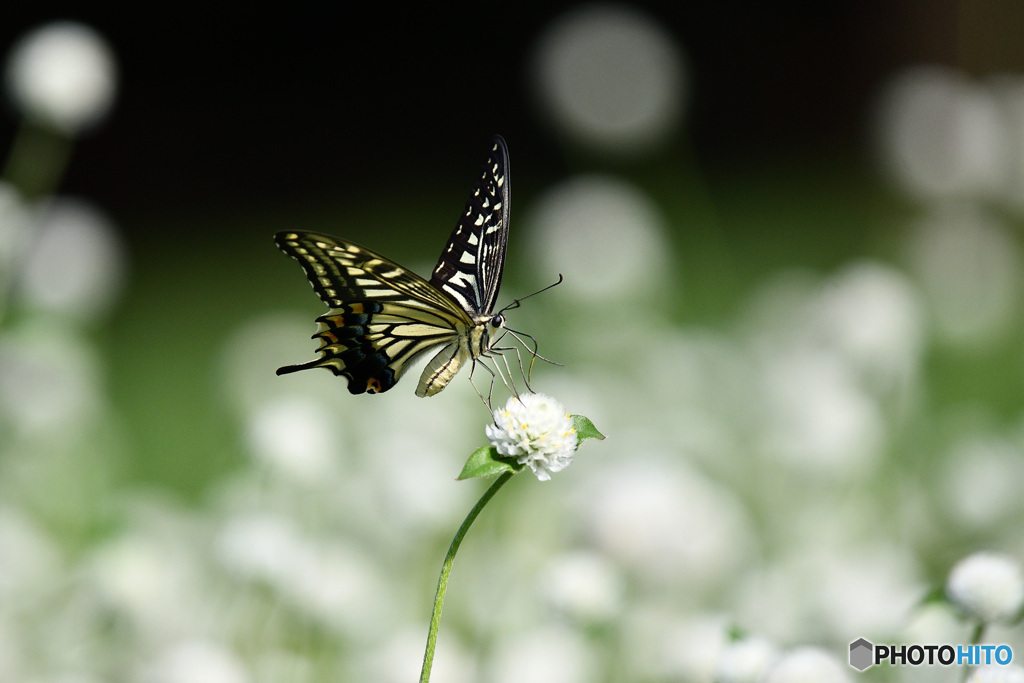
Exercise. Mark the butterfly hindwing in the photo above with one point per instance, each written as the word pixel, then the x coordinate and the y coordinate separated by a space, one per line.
pixel 471 264
pixel 382 316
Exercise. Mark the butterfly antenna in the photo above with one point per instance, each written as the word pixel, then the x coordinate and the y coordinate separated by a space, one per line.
pixel 516 302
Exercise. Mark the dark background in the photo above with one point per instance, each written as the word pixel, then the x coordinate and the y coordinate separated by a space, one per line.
pixel 219 107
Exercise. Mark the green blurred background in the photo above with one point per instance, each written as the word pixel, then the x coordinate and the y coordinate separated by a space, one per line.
pixel 791 242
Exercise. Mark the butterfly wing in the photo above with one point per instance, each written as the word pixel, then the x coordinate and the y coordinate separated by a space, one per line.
pixel 470 267
pixel 382 315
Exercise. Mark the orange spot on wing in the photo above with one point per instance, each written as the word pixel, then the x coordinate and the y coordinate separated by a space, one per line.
pixel 373 385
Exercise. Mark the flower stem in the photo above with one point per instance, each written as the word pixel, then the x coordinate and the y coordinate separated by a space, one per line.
pixel 446 570
pixel 36 160
pixel 976 635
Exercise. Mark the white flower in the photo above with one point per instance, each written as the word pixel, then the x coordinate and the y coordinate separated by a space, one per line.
pixel 63 74
pixel 536 431
pixel 197 660
pixel 76 239
pixel 987 586
pixel 807 664
pixel 584 585
pixel 746 661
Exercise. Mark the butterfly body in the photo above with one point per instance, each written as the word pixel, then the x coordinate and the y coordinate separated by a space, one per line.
pixel 382 316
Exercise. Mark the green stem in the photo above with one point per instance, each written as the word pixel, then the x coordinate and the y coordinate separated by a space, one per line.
pixel 35 165
pixel 446 570
pixel 37 160
pixel 976 635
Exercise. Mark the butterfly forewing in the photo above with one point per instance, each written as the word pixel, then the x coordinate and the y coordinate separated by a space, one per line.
pixel 382 316
pixel 471 264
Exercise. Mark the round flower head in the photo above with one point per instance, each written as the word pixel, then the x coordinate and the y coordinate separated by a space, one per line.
pixel 63 74
pixel 987 587
pixel 746 661
pixel 536 431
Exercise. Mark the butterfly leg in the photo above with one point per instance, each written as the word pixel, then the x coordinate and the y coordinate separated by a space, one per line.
pixel 490 389
pixel 527 374
pixel 511 383
pixel 523 371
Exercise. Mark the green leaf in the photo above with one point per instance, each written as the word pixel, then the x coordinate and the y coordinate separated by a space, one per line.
pixel 485 462
pixel 585 429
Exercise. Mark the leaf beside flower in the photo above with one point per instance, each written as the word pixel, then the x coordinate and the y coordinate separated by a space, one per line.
pixel 585 429
pixel 485 462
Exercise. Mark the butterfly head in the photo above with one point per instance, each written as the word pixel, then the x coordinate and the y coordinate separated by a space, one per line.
pixel 498 321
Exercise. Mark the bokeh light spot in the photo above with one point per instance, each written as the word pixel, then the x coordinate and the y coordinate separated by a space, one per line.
pixel 603 234
pixel 610 77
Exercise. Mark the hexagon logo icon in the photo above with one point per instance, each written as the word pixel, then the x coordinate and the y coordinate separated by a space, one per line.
pixel 861 654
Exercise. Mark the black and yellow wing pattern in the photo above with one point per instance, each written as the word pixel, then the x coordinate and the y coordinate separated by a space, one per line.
pixel 383 316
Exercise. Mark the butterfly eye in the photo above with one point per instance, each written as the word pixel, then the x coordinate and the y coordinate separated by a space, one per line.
pixel 498 320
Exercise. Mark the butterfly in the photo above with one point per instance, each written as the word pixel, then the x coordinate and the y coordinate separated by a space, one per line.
pixel 383 316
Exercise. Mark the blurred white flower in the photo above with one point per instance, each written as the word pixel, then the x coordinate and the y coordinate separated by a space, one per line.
pixel 413 481
pixel 16 653
pixel 258 547
pixel 75 262
pixel 997 674
pixel 284 663
pixel 583 585
pixel 943 135
pixel 825 354
pixel 829 587
pixel 606 236
pixel 153 582
pixel 868 590
pixel 196 660
pixel 258 346
pixel 982 480
pixel 933 622
pixel 30 564
pixel 987 587
pixel 536 431
pixel 398 658
pixel 816 416
pixel 325 580
pixel 610 77
pixel 418 447
pixel 970 267
pixel 550 654
pixel 807 665
pixel 874 316
pixel 666 523
pixel 745 661
pixel 660 645
pixel 50 378
pixel 63 74
pixel 297 437
pixel 1008 89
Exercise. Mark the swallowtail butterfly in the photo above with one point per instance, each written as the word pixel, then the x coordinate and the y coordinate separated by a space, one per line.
pixel 383 316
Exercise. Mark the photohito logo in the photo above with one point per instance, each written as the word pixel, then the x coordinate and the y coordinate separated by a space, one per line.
pixel 864 654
